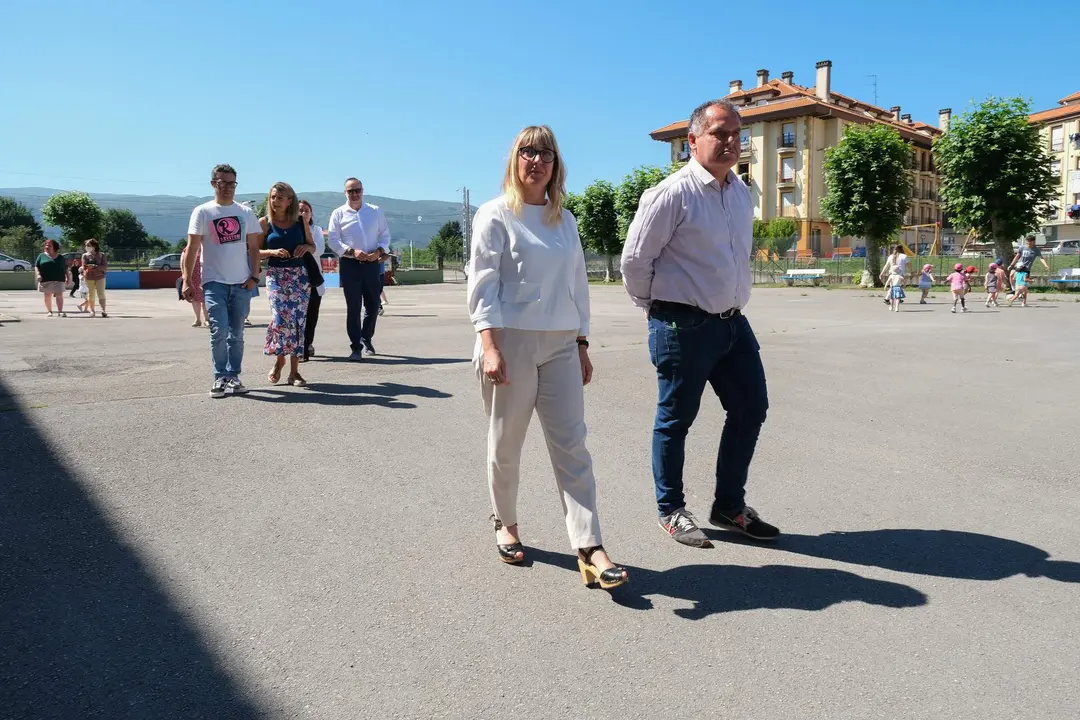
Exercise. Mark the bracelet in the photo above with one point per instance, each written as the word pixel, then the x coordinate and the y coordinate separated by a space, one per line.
pixel 583 343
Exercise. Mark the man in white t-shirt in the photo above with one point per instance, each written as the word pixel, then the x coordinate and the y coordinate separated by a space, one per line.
pixel 229 236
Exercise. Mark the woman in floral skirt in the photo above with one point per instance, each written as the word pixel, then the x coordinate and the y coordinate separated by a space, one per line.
pixel 287 240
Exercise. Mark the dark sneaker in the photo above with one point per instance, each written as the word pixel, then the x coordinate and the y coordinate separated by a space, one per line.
pixel 368 348
pixel 356 356
pixel 681 527
pixel 233 386
pixel 217 390
pixel 747 522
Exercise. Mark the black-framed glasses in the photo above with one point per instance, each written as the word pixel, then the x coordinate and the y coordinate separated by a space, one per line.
pixel 546 155
pixel 225 183
pixel 354 191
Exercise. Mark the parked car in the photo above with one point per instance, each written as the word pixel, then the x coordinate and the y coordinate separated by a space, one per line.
pixel 1063 247
pixel 166 262
pixel 71 257
pixel 10 263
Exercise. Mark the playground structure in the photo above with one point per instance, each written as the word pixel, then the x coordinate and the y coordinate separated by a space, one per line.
pixel 935 246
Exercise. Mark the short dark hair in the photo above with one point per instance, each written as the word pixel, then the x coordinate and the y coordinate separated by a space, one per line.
pixel 53 244
pixel 94 244
pixel 222 168
pixel 697 118
pixel 353 179
pixel 1030 238
pixel 312 220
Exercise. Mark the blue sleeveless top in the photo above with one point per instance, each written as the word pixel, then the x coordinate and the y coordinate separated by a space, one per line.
pixel 288 238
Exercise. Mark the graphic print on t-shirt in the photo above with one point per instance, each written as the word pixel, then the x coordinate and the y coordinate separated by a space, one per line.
pixel 227 229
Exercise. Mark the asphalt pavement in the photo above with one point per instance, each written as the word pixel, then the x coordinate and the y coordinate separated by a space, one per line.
pixel 325 552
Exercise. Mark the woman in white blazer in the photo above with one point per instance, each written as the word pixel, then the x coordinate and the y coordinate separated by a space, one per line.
pixel 529 303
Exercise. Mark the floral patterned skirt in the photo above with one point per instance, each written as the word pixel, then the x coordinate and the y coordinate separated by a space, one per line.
pixel 289 292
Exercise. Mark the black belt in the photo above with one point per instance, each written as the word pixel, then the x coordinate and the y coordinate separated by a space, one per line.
pixel 683 307
pixel 362 262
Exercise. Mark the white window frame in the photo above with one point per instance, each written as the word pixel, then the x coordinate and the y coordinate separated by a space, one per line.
pixel 785 162
pixel 1057 138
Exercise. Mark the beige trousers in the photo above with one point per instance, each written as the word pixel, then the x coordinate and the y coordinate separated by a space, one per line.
pixel 544 371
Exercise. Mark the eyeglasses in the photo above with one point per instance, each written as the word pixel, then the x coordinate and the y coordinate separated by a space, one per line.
pixel 528 152
pixel 225 183
pixel 355 191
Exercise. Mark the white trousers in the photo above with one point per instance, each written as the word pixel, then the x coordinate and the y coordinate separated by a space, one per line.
pixel 544 371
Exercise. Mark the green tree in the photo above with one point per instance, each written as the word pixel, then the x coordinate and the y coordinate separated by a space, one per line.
pixel 630 190
pixel 13 214
pixel 447 243
pixel 995 172
pixel 598 223
pixel 76 213
pixel 160 246
pixel 178 246
pixel 782 234
pixel 868 187
pixel 122 229
pixel 260 208
pixel 21 242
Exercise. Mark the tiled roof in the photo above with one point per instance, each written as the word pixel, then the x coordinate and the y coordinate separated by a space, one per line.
pixel 1059 113
pixel 1070 99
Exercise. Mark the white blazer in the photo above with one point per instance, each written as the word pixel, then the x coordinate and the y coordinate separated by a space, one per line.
pixel 524 274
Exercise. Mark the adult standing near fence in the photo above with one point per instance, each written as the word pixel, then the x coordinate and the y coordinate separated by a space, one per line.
pixel 687 263
pixel 229 237
pixel 95 265
pixel 51 272
pixel 358 233
pixel 287 242
pixel 529 302
pixel 312 262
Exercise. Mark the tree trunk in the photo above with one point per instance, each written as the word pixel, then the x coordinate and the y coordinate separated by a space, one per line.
pixel 439 261
pixel 1002 246
pixel 609 272
pixel 873 260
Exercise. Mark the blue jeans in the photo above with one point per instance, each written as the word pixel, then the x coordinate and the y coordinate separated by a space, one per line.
pixel 690 348
pixel 227 307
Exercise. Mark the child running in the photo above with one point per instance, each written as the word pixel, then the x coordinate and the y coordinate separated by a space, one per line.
pixel 926 281
pixel 992 285
pixel 959 283
pixel 1020 288
pixel 895 289
pixel 83 291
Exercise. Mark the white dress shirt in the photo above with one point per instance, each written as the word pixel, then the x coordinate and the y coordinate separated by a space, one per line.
pixel 525 274
pixel 690 242
pixel 361 230
pixel 320 247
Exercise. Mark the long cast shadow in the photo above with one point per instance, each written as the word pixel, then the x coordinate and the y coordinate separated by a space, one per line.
pixel 86 631
pixel 730 588
pixel 385 394
pixel 393 360
pixel 942 553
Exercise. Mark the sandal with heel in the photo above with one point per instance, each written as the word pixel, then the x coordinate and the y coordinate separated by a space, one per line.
pixel 511 553
pixel 590 575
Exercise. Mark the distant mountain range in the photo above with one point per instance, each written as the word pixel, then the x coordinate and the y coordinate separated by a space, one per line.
pixel 167 215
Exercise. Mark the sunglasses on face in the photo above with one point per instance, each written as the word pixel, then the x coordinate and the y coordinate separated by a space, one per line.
pixel 546 155
pixel 355 191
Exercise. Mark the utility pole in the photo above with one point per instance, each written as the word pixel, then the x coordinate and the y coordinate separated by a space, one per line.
pixel 466 226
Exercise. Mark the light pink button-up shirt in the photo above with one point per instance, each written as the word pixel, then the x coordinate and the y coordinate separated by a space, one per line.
pixel 690 242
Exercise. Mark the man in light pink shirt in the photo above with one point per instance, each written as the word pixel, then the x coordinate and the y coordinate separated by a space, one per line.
pixel 687 262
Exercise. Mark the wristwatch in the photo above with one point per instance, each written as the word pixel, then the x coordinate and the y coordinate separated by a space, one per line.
pixel 252 277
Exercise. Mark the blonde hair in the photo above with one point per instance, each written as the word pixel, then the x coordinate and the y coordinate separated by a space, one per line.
pixel 292 213
pixel 539 137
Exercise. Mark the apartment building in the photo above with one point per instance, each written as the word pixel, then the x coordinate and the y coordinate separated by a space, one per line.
pixel 1060 129
pixel 786 129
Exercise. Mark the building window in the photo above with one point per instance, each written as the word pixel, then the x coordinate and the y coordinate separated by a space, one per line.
pixel 787 203
pixel 1057 138
pixel 1053 209
pixel 744 139
pixel 744 173
pixel 787 135
pixel 1055 168
pixel 684 151
pixel 787 169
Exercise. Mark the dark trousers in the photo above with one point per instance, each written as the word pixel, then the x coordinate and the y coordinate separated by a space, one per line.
pixel 690 348
pixel 361 284
pixel 312 320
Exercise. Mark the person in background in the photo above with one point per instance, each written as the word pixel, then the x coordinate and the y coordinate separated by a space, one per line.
pixel 1003 278
pixel 229 237
pixel 95 265
pixel 926 281
pixel 319 287
pixel 1024 260
pixel 76 264
pixel 686 262
pixel 384 274
pixel 894 287
pixel 529 303
pixel 896 263
pixel 83 292
pixel 198 301
pixel 958 282
pixel 52 275
pixel 288 239
pixel 358 233
pixel 991 282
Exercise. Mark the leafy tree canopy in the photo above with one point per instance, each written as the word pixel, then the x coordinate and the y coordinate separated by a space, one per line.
pixel 76 213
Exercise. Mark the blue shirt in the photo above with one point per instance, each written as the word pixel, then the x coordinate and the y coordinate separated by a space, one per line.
pixel 289 239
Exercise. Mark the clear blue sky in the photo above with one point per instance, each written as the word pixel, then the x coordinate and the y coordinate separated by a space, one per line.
pixel 421 98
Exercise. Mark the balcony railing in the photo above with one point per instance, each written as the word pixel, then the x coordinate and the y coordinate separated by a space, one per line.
pixel 745 145
pixel 786 140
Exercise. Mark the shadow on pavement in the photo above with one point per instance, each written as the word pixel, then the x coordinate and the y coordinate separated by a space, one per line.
pixel 393 360
pixel 943 553
pixel 385 394
pixel 86 631
pixel 729 588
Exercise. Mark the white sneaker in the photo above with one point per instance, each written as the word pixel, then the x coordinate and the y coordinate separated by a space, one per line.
pixel 954 308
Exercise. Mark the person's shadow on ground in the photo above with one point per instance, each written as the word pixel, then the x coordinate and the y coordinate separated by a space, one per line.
pixel 729 588
pixel 942 553
pixel 386 394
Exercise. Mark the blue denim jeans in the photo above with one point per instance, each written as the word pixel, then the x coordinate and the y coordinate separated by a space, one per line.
pixel 690 348
pixel 227 307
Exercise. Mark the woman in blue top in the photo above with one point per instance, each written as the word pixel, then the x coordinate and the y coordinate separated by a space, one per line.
pixel 287 239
